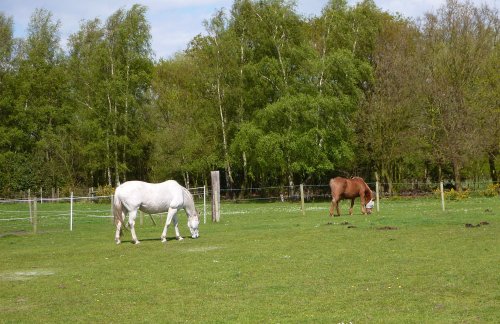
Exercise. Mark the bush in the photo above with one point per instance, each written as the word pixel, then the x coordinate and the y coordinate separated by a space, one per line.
pixel 492 190
pixel 106 190
pixel 456 195
pixel 452 194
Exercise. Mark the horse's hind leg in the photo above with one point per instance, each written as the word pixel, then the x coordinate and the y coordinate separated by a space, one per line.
pixel 350 209
pixel 170 216
pixel 118 232
pixel 334 206
pixel 131 221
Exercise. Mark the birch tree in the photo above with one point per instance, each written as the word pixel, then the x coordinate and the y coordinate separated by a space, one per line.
pixel 455 45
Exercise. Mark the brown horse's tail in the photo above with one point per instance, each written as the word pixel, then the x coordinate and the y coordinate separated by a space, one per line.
pixel 118 212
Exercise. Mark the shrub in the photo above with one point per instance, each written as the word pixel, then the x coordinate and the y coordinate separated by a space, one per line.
pixel 452 194
pixel 106 190
pixel 492 190
pixel 456 195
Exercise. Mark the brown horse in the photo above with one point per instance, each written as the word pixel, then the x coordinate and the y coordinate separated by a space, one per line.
pixel 343 188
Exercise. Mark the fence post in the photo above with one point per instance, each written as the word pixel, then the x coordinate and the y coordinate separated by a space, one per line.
pixel 302 199
pixel 112 214
pixel 71 212
pixel 204 204
pixel 215 196
pixel 441 188
pixel 377 195
pixel 35 217
pixel 29 203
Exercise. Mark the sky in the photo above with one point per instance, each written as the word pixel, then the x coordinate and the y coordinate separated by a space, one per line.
pixel 175 22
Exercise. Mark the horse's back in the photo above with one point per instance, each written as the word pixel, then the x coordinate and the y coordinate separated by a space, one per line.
pixel 130 190
pixel 347 188
pixel 150 197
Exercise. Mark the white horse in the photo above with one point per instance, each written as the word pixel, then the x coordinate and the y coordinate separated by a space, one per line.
pixel 153 198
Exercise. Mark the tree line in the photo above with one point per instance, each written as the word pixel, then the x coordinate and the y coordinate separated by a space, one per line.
pixel 265 95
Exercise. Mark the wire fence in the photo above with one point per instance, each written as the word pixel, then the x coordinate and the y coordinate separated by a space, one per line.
pixel 35 215
pixel 62 214
pixel 316 193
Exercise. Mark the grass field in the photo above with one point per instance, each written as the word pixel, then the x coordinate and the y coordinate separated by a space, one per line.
pixel 265 263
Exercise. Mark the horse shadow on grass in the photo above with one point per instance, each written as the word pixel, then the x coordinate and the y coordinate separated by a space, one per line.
pixel 154 239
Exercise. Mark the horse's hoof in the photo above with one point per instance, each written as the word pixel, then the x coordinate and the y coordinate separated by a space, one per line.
pixel 137 242
pixel 118 242
pixel 179 238
pixel 163 240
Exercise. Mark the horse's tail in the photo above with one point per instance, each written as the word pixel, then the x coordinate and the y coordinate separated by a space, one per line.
pixel 118 212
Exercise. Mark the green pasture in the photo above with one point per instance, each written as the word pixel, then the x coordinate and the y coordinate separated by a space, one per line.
pixel 263 263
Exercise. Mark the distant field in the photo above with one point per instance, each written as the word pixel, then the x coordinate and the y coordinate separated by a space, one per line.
pixel 264 262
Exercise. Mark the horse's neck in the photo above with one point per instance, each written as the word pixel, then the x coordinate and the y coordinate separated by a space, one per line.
pixel 368 192
pixel 188 203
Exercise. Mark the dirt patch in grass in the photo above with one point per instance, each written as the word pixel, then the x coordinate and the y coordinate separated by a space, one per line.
pixel 387 228
pixel 468 225
pixel 25 275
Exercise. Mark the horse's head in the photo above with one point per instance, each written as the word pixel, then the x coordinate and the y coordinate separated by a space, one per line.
pixel 369 206
pixel 193 223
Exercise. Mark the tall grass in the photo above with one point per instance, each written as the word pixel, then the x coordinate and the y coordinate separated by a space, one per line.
pixel 410 263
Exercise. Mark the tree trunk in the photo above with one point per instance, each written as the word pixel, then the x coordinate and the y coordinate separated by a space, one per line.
pixel 245 176
pixel 456 174
pixel 388 180
pixel 229 178
pixel 493 170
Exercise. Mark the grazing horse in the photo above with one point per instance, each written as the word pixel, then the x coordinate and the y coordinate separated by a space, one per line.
pixel 343 188
pixel 153 198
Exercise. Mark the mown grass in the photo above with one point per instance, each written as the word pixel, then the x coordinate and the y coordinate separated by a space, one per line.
pixel 410 263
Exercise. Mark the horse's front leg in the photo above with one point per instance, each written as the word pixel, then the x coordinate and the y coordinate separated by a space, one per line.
pixel 131 221
pixel 176 226
pixel 170 216
pixel 363 203
pixel 352 205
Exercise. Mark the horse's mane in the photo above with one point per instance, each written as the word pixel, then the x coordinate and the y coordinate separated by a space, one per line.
pixel 189 195
pixel 369 191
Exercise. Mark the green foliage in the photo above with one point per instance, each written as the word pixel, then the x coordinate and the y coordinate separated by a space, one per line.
pixel 105 190
pixel 265 95
pixel 492 190
pixel 453 194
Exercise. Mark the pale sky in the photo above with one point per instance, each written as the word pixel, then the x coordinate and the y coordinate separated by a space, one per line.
pixel 175 22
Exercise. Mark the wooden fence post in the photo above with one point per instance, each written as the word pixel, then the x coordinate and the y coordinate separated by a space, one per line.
pixel 377 191
pixel 302 199
pixel 71 212
pixel 204 204
pixel 29 204
pixel 35 217
pixel 441 188
pixel 215 196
